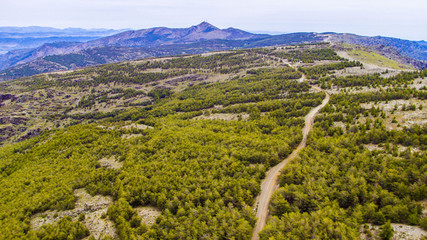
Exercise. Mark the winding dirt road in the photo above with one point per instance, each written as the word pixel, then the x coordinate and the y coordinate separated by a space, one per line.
pixel 269 184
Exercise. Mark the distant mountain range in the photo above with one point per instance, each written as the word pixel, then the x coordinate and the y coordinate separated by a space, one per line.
pixel 162 41
pixel 12 38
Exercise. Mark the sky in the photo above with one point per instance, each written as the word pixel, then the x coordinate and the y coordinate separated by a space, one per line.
pixel 405 19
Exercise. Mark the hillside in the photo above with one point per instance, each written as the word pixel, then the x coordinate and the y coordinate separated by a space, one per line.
pixel 404 51
pixel 111 54
pixel 162 41
pixel 177 147
pixel 144 38
pixel 412 49
pixel 166 36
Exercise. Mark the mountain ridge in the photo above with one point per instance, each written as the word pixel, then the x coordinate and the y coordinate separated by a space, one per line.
pixel 199 38
pixel 163 35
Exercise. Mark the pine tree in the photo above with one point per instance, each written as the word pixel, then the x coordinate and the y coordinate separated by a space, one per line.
pixel 386 231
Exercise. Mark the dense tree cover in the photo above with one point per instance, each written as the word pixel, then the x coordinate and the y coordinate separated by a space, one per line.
pixel 202 174
pixel 335 180
pixel 68 60
pixel 127 220
pixel 309 56
pixel 158 94
pixel 313 72
pixel 65 229
pixel 41 173
pixel 374 80
pixel 325 223
pixel 192 170
pixel 357 185
pixel 207 183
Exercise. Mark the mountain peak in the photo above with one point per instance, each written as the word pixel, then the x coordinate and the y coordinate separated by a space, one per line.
pixel 205 27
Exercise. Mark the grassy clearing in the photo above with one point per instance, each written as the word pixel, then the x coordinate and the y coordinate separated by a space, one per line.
pixel 377 59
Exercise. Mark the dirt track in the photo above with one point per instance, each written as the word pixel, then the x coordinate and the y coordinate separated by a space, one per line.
pixel 269 184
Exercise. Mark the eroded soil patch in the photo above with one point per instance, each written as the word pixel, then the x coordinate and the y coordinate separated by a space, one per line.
pixel 94 210
pixel 401 232
pixel 137 126
pixel 224 116
pixel 110 162
pixel 401 118
pixel 148 214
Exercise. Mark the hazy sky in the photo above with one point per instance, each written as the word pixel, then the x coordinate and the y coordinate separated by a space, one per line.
pixel 395 18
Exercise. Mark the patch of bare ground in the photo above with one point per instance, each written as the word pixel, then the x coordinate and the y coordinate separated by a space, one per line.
pixel 419 83
pixel 341 125
pixel 396 117
pixel 406 119
pixel 127 127
pixel 110 162
pixel 214 53
pixel 316 63
pixel 392 104
pixel 373 147
pixel 137 126
pixel 223 116
pixel 400 148
pixel 94 210
pixel 129 136
pixel 368 69
pixel 148 214
pixel 401 232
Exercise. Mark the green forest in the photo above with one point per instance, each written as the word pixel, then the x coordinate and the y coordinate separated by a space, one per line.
pixel 204 173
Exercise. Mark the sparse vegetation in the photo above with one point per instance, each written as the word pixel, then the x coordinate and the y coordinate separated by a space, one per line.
pixel 336 180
